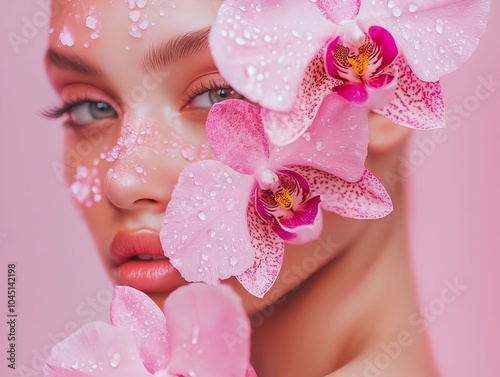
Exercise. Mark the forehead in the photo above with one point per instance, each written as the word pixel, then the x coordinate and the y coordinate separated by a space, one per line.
pixel 80 25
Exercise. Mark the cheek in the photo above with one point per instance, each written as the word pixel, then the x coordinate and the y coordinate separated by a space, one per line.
pixel 85 163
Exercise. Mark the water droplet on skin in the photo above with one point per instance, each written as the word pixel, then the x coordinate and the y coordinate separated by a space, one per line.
pixel 141 3
pixel 114 360
pixel 143 24
pixel 66 38
pixel 91 22
pixel 134 15
pixel 233 261
pixel 134 31
pixel 202 216
pixel 188 152
pixel 94 35
pixel 139 169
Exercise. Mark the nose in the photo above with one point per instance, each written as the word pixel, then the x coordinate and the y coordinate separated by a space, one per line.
pixel 141 179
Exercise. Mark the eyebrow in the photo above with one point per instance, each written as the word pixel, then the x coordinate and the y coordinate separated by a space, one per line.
pixel 181 47
pixel 73 63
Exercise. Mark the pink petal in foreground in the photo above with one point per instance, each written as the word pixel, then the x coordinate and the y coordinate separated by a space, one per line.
pixel 269 251
pixel 209 330
pixel 204 231
pixel 366 199
pixel 263 47
pixel 135 312
pixel 336 142
pixel 96 349
pixel 236 135
pixel 441 36
pixel 417 104
pixel 285 127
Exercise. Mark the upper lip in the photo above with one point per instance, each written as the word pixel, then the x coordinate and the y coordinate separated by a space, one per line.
pixel 127 244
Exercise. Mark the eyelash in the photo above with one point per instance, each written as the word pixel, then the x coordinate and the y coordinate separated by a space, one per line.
pixel 57 112
pixel 202 88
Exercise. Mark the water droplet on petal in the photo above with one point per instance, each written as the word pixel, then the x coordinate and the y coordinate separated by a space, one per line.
pixel 412 7
pixel 320 145
pixel 439 26
pixel 202 216
pixel 233 261
pixel 114 360
pixel 230 204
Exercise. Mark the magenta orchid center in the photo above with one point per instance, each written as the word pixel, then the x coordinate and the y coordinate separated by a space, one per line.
pixel 359 58
pixel 284 198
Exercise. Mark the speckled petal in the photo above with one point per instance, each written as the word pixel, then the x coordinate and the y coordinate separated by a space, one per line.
pixel 210 332
pixel 336 142
pixel 135 312
pixel 339 10
pixel 269 249
pixel 96 349
pixel 263 47
pixel 205 223
pixel 435 36
pixel 417 104
pixel 236 135
pixel 285 127
pixel 366 199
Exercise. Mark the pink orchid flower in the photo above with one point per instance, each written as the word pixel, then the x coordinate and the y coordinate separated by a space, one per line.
pixel 232 217
pixel 201 332
pixel 287 55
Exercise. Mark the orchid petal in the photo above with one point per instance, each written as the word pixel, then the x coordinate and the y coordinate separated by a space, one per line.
pixel 417 104
pixel 353 92
pixel 236 135
pixel 366 199
pixel 436 36
pixel 387 44
pixel 205 223
pixel 209 331
pixel 381 92
pixel 263 47
pixel 96 349
pixel 339 10
pixel 336 142
pixel 135 312
pixel 305 226
pixel 250 372
pixel 283 128
pixel 269 251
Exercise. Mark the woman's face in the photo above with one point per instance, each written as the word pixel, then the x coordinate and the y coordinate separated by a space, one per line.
pixel 137 80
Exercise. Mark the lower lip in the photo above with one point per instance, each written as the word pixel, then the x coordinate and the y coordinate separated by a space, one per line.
pixel 150 276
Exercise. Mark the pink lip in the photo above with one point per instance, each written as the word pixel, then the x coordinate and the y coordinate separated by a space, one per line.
pixel 156 275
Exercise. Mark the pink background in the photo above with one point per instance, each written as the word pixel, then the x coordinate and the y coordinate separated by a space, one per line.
pixel 455 221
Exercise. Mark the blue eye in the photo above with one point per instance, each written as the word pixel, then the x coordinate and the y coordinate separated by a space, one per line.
pixel 86 112
pixel 204 97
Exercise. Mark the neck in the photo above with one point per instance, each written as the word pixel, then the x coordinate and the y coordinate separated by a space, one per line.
pixel 346 310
